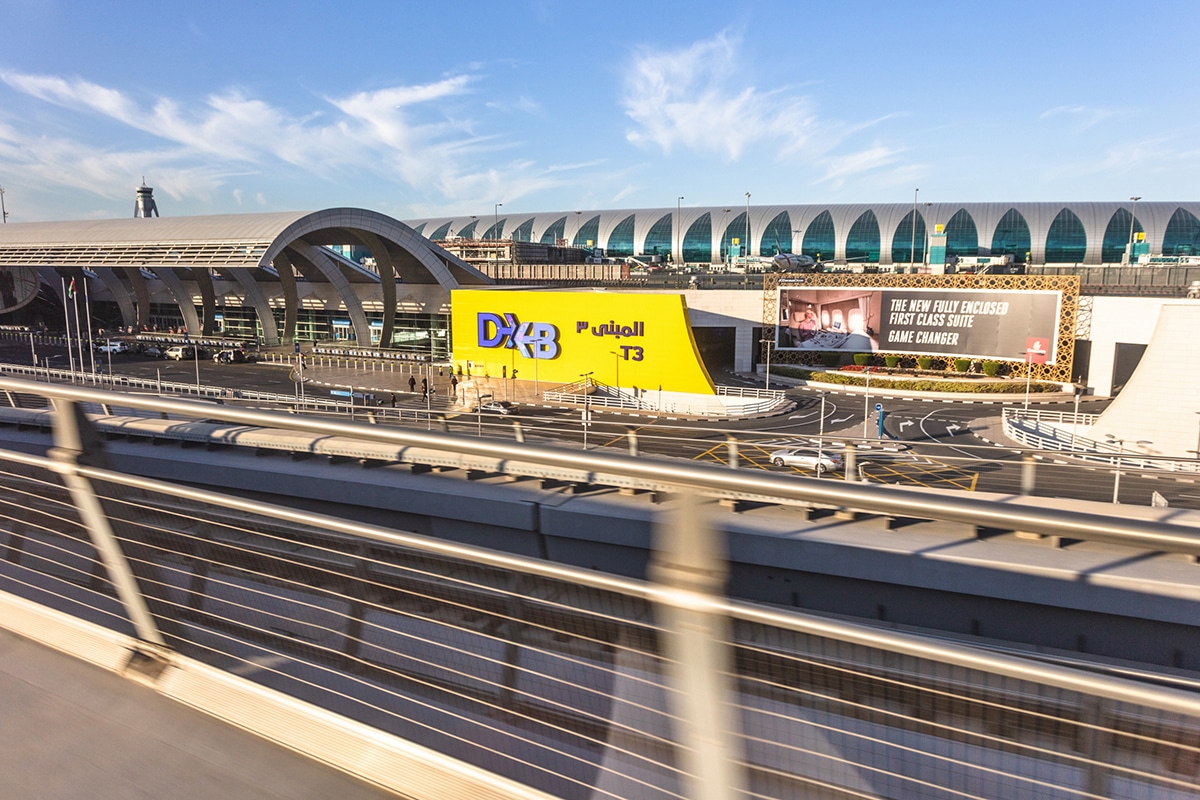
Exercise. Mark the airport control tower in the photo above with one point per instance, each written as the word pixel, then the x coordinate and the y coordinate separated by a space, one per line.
pixel 145 206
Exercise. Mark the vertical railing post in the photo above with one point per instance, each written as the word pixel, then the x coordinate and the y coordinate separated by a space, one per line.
pixel 69 452
pixel 691 566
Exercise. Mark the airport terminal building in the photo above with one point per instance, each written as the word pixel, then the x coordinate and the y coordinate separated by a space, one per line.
pixel 882 234
pixel 362 278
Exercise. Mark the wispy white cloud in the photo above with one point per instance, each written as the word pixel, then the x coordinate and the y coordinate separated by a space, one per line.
pixel 408 134
pixel 839 168
pixel 1080 117
pixel 696 98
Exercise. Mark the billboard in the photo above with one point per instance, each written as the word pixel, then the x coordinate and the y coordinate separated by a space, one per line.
pixel 625 339
pixel 996 324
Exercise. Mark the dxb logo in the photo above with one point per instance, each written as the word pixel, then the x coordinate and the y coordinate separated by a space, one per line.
pixel 531 339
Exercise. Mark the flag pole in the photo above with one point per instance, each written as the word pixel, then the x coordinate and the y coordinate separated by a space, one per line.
pixel 87 304
pixel 67 320
pixel 78 331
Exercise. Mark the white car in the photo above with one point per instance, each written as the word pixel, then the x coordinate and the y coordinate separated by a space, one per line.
pixel 806 458
pixel 180 352
pixel 112 346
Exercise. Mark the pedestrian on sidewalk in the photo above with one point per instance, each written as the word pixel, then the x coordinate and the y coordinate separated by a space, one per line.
pixel 412 384
pixel 453 385
pixel 424 387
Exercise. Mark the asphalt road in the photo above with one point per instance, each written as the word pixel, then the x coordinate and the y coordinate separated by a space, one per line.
pixel 932 444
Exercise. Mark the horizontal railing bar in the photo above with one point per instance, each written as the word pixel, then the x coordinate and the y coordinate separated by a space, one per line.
pixel 922 647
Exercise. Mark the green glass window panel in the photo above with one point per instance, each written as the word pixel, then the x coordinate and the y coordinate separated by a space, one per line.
pixel 1182 236
pixel 908 246
pixel 697 242
pixel 962 238
pixel 658 240
pixel 420 228
pixel 1012 236
pixel 862 243
pixel 1116 236
pixel 1066 242
pixel 820 238
pixel 555 231
pixel 777 236
pixel 496 231
pixel 468 231
pixel 440 233
pixel 524 231
pixel 588 232
pixel 735 230
pixel 620 241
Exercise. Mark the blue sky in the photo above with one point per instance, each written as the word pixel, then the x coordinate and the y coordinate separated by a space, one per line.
pixel 419 109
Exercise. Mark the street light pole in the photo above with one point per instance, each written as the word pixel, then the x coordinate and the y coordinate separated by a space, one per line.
pixel 496 229
pixel 821 434
pixel 925 238
pixel 677 250
pixel 912 249
pixel 768 343
pixel 1120 443
pixel 1132 219
pixel 866 401
pixel 747 226
pixel 587 406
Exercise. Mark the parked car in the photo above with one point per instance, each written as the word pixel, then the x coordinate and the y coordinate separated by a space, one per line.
pixel 112 346
pixel 232 357
pixel 152 351
pixel 495 407
pixel 805 458
pixel 180 352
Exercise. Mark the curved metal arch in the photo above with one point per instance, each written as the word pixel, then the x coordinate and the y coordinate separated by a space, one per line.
pixel 208 300
pixel 440 264
pixel 317 258
pixel 388 275
pixel 183 300
pixel 258 298
pixel 141 295
pixel 112 282
pixel 291 297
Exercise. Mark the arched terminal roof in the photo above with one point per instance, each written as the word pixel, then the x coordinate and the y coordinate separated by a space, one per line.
pixel 266 254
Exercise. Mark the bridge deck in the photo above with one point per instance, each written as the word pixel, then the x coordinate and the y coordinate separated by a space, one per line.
pixel 72 730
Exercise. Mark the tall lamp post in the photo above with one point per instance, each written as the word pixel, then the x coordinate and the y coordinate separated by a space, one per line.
pixel 1120 443
pixel 866 401
pixel 1132 219
pixel 747 225
pixel 677 250
pixel 587 406
pixel 768 343
pixel 912 248
pixel 3 211
pixel 925 239
pixel 496 229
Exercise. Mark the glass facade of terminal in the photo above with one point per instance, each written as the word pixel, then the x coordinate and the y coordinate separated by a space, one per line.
pixel 1183 234
pixel 1117 236
pixel 736 229
pixel 862 243
pixel 620 241
pixel 524 231
pixel 820 238
pixel 555 232
pixel 588 234
pixel 1012 238
pixel 962 237
pixel 908 246
pixel 777 236
pixel 1066 242
pixel 659 239
pixel 697 243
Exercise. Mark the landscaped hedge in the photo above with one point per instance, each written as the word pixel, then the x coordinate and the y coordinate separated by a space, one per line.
pixel 915 384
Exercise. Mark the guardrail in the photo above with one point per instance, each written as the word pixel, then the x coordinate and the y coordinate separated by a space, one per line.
pixel 1045 430
pixel 442 670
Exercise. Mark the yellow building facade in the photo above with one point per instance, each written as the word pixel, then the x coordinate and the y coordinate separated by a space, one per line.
pixel 625 339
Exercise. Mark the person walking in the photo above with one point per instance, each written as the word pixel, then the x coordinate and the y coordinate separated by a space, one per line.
pixel 453 385
pixel 412 384
pixel 424 387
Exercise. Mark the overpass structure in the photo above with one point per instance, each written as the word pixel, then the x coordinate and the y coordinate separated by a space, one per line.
pixel 436 668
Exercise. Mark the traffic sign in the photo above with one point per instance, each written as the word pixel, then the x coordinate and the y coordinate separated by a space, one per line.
pixel 879 406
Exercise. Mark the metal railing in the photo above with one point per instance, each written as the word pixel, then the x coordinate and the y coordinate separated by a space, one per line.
pixel 1058 431
pixel 522 678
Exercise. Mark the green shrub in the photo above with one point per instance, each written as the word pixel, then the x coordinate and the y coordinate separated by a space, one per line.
pixel 831 359
pixel 924 362
pixel 962 365
pixel 891 361
pixel 991 368
pixel 862 359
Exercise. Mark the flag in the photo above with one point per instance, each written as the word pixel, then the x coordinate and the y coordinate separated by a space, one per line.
pixel 71 289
